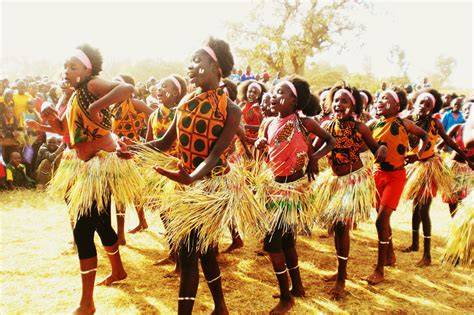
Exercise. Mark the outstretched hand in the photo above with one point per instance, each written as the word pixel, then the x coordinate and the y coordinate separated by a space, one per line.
pixel 179 176
pixel 313 169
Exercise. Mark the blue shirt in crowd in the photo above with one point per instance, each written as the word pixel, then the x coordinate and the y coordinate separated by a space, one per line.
pixel 448 120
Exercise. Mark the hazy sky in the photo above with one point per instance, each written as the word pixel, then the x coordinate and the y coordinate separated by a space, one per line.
pixel 172 30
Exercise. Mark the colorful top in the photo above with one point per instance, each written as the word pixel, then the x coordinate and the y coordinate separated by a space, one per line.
pixel 160 120
pixel 392 133
pixel 127 122
pixel 17 175
pixel 288 145
pixel 80 125
pixel 448 120
pixel 428 124
pixel 459 141
pixel 200 121
pixel 252 115
pixel 20 104
pixel 348 144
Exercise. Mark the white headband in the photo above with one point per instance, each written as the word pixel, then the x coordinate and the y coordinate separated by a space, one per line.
pixel 79 54
pixel 291 86
pixel 213 55
pixel 349 94
pixel 176 83
pixel 426 94
pixel 394 95
pixel 256 85
pixel 365 97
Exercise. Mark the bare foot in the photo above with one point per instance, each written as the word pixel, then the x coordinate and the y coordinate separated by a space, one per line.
pixel 283 306
pixel 172 274
pixel 84 310
pixel 138 228
pixel 113 278
pixel 220 310
pixel 338 291
pixel 260 252
pixel 375 278
pixel 424 262
pixel 300 292
pixel 165 261
pixel 409 249
pixel 236 244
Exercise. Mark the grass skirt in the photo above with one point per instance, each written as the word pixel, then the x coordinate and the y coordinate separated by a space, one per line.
pixel 83 183
pixel 426 177
pixel 348 198
pixel 461 236
pixel 199 214
pixel 463 181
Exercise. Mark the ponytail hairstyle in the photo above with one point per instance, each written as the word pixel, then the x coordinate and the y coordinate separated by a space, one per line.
pixel 357 107
pixel 306 102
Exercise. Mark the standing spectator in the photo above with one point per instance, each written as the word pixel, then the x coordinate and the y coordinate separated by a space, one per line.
pixel 265 77
pixel 247 75
pixel 454 116
pixel 16 173
pixel 235 77
pixel 20 100
pixel 33 90
pixel 46 159
pixel 31 113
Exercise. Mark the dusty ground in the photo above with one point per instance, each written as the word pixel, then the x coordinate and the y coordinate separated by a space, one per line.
pixel 39 272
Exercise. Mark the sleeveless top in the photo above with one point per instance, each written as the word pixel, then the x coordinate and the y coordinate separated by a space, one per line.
pixel 200 121
pixel 348 141
pixel 252 115
pixel 80 125
pixel 428 124
pixel 392 133
pixel 127 122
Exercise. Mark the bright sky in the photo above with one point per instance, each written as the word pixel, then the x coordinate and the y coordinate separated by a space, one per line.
pixel 172 30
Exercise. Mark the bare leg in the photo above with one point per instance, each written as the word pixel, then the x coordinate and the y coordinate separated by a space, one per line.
pixel 343 246
pixel 425 219
pixel 118 272
pixel 189 281
pixel 286 301
pixel 383 232
pixel 415 225
pixel 142 224
pixel 211 271
pixel 236 240
pixel 88 272
pixel 121 226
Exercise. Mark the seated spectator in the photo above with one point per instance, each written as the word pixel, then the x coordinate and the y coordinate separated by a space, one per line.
pixel 16 173
pixel 9 125
pixel 46 159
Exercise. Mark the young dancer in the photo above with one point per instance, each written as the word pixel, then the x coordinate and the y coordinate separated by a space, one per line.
pixel 390 175
pixel 346 195
pixel 100 175
pixel 428 174
pixel 286 137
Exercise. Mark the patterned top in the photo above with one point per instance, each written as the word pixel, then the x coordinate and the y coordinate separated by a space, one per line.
pixel 251 115
pixel 200 121
pixel 160 120
pixel 392 133
pixel 80 125
pixel 348 144
pixel 428 124
pixel 127 122
pixel 287 145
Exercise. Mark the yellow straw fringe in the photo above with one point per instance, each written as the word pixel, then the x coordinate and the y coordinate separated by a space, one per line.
pixel 343 198
pixel 461 236
pixel 423 175
pixel 83 183
pixel 208 207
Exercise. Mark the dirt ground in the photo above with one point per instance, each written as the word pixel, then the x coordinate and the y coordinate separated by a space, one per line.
pixel 39 271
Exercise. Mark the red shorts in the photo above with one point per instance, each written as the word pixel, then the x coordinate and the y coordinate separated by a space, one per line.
pixel 389 186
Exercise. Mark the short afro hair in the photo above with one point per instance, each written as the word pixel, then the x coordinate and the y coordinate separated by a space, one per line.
pixel 244 86
pixel 306 101
pixel 231 88
pixel 224 55
pixel 94 56
pixel 438 101
pixel 355 93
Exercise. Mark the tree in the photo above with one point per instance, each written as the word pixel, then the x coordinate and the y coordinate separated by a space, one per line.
pixel 293 32
pixel 398 57
pixel 444 67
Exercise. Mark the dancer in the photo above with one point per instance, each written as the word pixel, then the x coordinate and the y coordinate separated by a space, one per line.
pixel 390 175
pixel 427 174
pixel 99 175
pixel 346 195
pixel 128 122
pixel 289 152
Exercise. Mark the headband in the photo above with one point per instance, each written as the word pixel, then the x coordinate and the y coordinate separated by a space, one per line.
pixel 349 94
pixel 291 86
pixel 211 53
pixel 176 83
pixel 426 94
pixel 364 96
pixel 79 54
pixel 255 84
pixel 394 95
